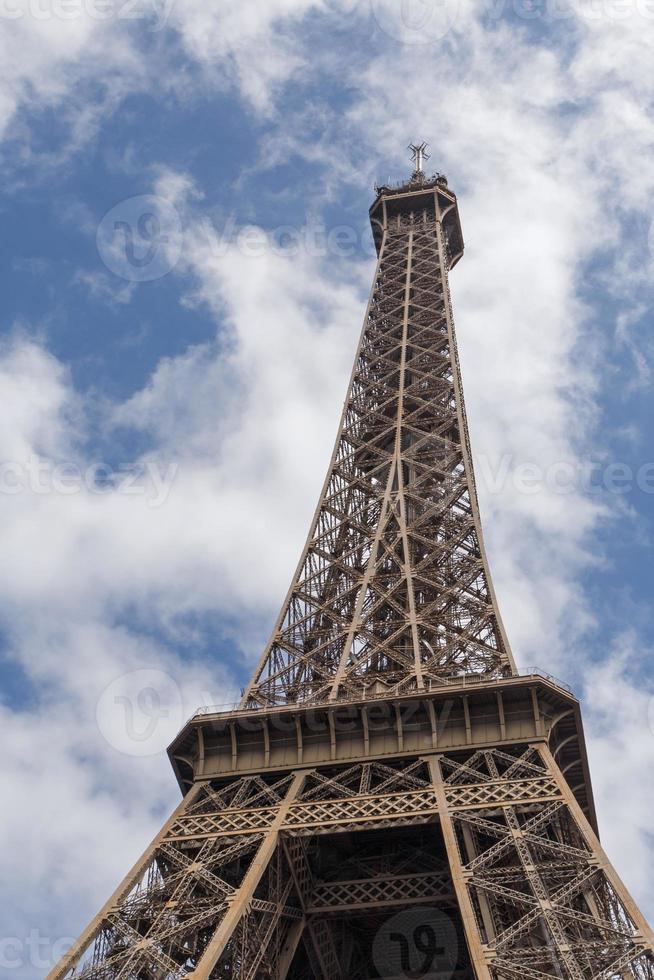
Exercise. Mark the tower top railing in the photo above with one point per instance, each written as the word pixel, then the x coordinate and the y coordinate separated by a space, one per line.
pixel 463 680
pixel 417 181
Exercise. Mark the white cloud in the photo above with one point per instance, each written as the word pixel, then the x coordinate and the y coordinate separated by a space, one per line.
pixel 621 752
pixel 61 607
pixel 39 409
pixel 50 63
pixel 82 58
pixel 104 287
pixel 79 816
pixel 257 47
pixel 255 416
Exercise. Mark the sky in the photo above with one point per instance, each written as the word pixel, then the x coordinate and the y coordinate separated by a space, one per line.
pixel 185 262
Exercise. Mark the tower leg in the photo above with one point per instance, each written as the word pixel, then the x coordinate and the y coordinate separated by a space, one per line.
pixel 519 843
pixel 214 885
pixel 70 960
pixel 594 844
pixel 234 883
pixel 473 938
pixel 242 898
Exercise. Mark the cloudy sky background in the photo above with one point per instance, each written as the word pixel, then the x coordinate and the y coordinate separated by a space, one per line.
pixel 163 440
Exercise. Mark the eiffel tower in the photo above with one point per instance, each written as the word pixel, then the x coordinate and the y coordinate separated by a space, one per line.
pixel 392 797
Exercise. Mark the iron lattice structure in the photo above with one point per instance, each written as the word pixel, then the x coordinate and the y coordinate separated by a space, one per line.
pixel 393 591
pixel 392 798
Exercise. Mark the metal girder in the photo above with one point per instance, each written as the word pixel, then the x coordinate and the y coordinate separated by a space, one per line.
pixel 380 891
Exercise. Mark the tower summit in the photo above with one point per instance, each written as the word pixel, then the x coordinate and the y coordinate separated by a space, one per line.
pixel 392 798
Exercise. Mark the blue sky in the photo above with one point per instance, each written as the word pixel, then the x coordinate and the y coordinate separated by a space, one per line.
pixel 163 442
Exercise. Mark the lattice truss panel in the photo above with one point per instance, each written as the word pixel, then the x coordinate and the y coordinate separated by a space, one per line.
pixel 286 877
pixel 392 592
pixel 331 800
pixel 221 874
pixel 546 904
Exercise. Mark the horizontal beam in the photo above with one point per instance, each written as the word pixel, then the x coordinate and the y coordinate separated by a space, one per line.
pixel 331 815
pixel 382 891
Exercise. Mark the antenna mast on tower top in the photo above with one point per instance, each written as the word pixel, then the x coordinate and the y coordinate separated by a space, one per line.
pixel 419 156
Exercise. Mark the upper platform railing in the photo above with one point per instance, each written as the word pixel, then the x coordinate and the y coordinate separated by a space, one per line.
pixel 463 680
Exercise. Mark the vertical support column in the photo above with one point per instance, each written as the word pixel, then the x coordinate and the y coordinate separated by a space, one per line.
pixel 324 949
pixel 289 949
pixel 484 905
pixel 245 892
pixel 476 949
pixel 387 503
pixel 250 690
